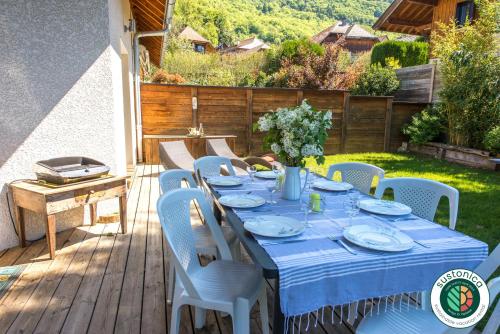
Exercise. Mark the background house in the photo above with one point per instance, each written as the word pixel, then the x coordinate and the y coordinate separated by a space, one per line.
pixel 252 44
pixel 420 17
pixel 200 43
pixel 353 37
pixel 66 89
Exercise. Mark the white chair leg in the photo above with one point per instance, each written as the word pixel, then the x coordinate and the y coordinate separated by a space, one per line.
pixel 199 317
pixel 236 250
pixel 241 317
pixel 264 317
pixel 175 319
pixel 171 281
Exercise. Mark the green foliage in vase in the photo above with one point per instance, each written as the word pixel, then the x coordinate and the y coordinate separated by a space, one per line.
pixel 425 126
pixel 406 53
pixel 470 67
pixel 377 81
pixel 294 134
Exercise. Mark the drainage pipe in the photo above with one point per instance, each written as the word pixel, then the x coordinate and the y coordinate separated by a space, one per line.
pixel 169 12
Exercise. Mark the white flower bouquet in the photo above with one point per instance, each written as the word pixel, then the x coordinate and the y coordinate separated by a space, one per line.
pixel 296 133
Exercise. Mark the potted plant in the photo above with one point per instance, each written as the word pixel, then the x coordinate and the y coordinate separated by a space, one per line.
pixel 294 134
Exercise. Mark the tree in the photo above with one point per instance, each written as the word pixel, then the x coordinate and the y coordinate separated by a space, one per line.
pixel 470 96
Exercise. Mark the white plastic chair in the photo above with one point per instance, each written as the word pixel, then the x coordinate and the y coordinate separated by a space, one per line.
pixel 421 195
pixel 360 175
pixel 204 243
pixel 223 285
pixel 417 321
pixel 212 166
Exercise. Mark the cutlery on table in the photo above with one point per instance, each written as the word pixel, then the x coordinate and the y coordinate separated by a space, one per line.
pixel 339 241
pixel 394 227
pixel 280 242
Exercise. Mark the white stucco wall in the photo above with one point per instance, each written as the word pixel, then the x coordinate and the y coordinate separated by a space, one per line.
pixel 61 91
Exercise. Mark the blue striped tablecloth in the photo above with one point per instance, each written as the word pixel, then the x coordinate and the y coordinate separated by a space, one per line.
pixel 316 272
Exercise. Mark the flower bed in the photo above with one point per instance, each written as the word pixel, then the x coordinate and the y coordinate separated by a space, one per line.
pixel 461 155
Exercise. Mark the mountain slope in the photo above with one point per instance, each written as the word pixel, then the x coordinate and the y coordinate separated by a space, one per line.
pixel 226 21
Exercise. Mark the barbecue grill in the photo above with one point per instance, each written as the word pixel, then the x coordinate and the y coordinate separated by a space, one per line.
pixel 69 170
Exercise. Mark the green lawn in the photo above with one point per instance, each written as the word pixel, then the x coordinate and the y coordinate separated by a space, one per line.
pixel 479 206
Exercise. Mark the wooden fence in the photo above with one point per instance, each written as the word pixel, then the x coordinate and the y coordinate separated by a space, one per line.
pixel 361 123
pixel 418 84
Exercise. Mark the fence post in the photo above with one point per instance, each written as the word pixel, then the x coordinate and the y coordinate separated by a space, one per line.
pixel 388 124
pixel 249 120
pixel 194 106
pixel 343 134
pixel 300 96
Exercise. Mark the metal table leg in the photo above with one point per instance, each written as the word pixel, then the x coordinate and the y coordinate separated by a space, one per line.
pixel 278 316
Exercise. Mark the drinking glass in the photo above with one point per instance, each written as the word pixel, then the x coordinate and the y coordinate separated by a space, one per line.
pixel 305 206
pixel 251 170
pixel 272 187
pixel 351 208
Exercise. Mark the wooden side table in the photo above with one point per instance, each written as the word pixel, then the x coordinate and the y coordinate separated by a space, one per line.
pixel 49 201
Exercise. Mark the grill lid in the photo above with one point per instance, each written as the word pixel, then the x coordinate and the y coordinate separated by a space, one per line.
pixel 69 169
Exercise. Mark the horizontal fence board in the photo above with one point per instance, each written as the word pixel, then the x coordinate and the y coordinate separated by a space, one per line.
pixel 168 110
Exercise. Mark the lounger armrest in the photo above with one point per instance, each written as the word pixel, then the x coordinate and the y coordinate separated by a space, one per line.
pixel 258 161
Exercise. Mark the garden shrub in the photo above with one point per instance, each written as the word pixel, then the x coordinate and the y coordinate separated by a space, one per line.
pixel 292 50
pixel 406 53
pixel 376 81
pixel 470 68
pixel 424 127
pixel 162 76
pixel 492 140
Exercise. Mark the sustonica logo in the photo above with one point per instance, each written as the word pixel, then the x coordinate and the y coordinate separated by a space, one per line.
pixel 460 298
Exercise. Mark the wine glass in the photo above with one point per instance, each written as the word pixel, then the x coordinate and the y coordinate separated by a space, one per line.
pixel 276 169
pixel 251 170
pixel 272 187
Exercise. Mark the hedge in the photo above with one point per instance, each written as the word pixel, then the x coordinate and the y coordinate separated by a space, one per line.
pixel 407 53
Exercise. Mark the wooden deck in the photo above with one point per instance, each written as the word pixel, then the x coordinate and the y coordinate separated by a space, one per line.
pixel 102 281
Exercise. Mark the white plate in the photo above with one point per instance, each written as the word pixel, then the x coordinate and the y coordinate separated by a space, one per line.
pixel 332 185
pixel 379 238
pixel 224 181
pixel 266 174
pixel 274 226
pixel 242 201
pixel 383 207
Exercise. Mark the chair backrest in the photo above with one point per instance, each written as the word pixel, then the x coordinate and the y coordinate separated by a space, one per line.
pixel 219 147
pixel 174 155
pixel 172 179
pixel 174 212
pixel 360 175
pixel 485 270
pixel 211 166
pixel 421 195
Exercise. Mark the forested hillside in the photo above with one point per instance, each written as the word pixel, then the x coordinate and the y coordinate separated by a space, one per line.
pixel 227 21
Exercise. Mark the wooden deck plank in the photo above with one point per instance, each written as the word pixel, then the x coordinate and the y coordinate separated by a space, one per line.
pixel 130 307
pixel 105 310
pixel 34 308
pixel 55 313
pixel 80 312
pixel 153 303
pixel 19 293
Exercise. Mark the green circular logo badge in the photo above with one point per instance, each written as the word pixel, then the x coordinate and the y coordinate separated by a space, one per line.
pixel 460 298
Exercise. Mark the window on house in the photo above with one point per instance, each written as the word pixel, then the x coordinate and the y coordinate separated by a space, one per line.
pixel 199 48
pixel 465 12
